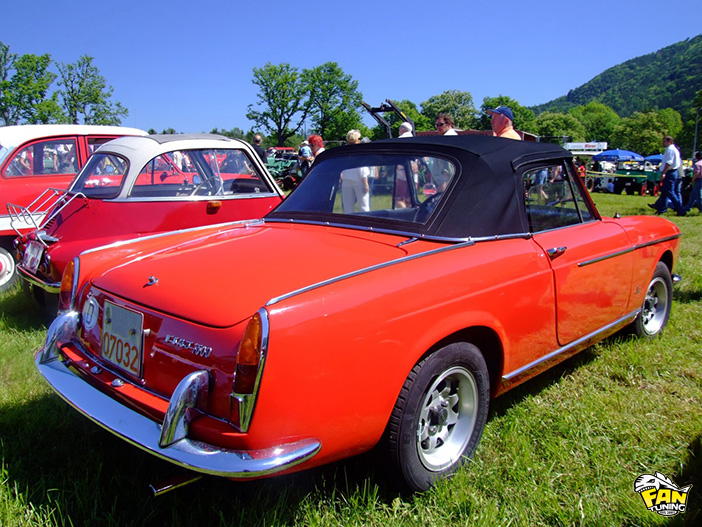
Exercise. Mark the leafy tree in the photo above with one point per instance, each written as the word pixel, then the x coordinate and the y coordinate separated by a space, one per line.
pixel 641 133
pixel 24 94
pixel 598 119
pixel 86 95
pixel 689 138
pixel 458 103
pixel 524 118
pixel 671 120
pixel 234 133
pixel 281 100
pixel 560 127
pixel 333 100
pixel 7 62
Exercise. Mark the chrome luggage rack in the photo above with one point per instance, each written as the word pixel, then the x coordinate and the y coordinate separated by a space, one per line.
pixel 35 215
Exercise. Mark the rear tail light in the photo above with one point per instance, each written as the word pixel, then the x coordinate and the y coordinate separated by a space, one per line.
pixel 68 285
pixel 250 360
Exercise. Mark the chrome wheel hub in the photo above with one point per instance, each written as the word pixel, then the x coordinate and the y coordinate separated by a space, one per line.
pixel 447 418
pixel 654 306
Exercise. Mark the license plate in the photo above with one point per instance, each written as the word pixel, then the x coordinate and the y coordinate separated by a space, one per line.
pixel 32 256
pixel 122 341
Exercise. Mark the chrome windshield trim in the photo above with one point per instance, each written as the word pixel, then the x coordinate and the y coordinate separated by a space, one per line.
pixel 144 433
pixel 339 278
pixel 573 347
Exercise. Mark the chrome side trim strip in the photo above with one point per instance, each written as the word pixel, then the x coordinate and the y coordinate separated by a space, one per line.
pixel 631 249
pixel 339 278
pixel 144 433
pixel 656 242
pixel 606 257
pixel 577 345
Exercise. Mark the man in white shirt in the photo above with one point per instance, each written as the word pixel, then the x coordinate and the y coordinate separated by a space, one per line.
pixel 670 172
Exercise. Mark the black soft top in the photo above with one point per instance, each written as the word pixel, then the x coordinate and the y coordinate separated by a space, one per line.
pixel 486 199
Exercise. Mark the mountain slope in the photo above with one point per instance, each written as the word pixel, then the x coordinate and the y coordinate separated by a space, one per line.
pixel 668 78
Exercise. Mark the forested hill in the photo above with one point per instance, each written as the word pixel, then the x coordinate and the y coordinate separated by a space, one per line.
pixel 668 78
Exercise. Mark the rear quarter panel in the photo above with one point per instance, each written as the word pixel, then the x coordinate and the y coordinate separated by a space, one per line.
pixel 339 355
pixel 654 240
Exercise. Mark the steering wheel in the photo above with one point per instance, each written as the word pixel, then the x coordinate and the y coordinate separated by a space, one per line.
pixel 427 207
pixel 214 183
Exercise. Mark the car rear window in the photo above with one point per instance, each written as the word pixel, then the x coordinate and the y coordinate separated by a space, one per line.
pixel 102 176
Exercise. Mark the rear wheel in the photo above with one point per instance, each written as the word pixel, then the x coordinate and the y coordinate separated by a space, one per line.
pixel 440 415
pixel 8 270
pixel 655 310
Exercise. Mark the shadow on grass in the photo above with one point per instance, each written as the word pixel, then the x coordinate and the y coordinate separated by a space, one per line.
pixel 687 297
pixel 502 404
pixel 20 311
pixel 691 474
pixel 60 460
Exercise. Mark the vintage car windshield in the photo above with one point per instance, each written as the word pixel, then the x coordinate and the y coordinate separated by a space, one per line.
pixel 180 173
pixel 401 187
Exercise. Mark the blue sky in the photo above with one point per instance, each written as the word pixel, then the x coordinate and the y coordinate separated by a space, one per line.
pixel 188 65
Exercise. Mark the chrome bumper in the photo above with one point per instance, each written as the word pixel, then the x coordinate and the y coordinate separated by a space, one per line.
pixel 149 435
pixel 49 287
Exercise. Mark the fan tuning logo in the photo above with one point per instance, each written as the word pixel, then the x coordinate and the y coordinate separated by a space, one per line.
pixel 661 495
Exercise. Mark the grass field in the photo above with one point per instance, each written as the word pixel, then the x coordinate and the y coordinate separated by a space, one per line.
pixel 562 449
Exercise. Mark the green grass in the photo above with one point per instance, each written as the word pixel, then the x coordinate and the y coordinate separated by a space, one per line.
pixel 562 449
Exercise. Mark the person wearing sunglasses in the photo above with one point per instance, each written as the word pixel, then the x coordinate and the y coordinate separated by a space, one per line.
pixel 444 124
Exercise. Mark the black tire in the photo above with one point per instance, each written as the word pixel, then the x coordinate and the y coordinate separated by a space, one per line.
pixel 655 309
pixel 8 270
pixel 439 416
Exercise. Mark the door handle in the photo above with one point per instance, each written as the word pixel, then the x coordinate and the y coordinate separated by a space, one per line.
pixel 555 252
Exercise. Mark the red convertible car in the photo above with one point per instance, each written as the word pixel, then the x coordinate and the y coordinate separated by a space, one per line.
pixel 473 264
pixel 134 186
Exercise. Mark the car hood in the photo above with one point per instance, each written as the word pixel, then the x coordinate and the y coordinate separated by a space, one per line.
pixel 224 278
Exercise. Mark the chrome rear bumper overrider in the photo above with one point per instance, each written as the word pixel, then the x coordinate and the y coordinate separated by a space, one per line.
pixel 150 435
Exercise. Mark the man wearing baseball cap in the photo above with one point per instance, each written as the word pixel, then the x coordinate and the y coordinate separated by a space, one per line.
pixel 501 119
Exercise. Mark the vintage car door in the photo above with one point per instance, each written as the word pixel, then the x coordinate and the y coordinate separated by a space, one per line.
pixel 591 259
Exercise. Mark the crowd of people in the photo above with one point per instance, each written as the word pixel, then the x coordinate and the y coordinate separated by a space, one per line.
pixel 356 188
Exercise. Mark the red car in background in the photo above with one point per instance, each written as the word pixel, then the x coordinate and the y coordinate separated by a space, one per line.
pixel 38 156
pixel 135 186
